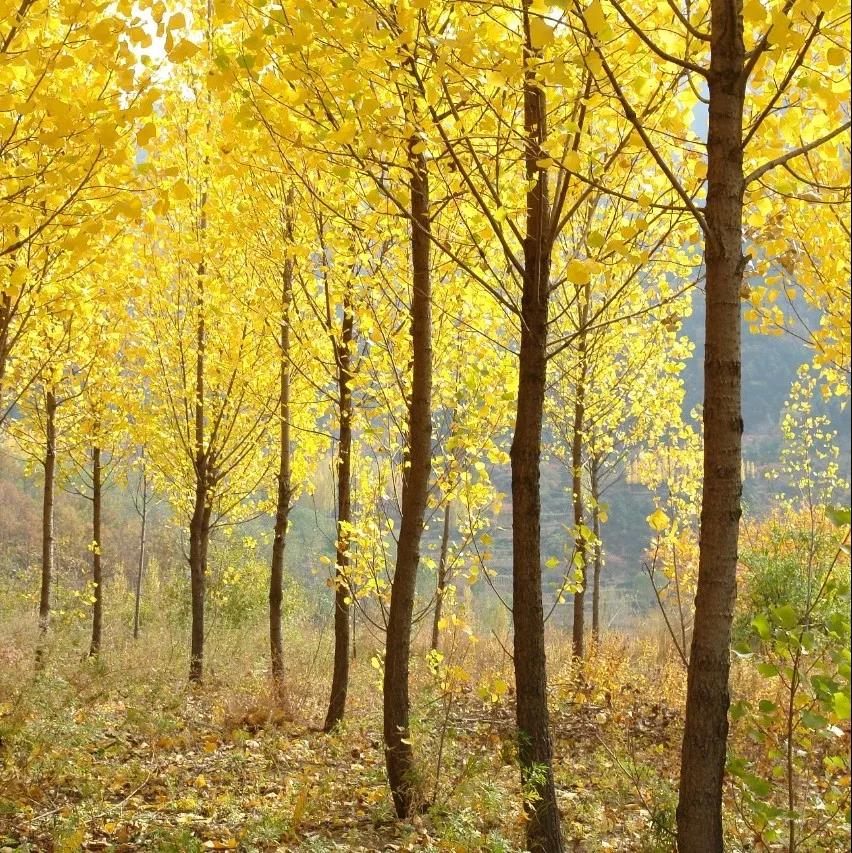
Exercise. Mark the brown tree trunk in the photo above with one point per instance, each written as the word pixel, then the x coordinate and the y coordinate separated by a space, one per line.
pixel 141 565
pixel 578 629
pixel 282 509
pixel 5 322
pixel 534 747
pixel 442 578
pixel 340 673
pixel 699 812
pixel 598 549
pixel 199 526
pixel 199 533
pixel 399 755
pixel 97 577
pixel 47 524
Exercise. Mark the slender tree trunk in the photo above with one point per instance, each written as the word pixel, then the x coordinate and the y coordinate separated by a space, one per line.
pixel 598 549
pixel 282 510
pixel 342 627
pixel 200 509
pixel 534 747
pixel 578 628
pixel 699 813
pixel 197 574
pixel 442 578
pixel 97 576
pixel 47 524
pixel 353 512
pixel 141 565
pixel 5 322
pixel 399 755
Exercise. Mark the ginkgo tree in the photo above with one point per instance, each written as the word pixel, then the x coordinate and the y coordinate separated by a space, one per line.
pixel 99 441
pixel 396 163
pixel 612 397
pixel 77 91
pixel 513 163
pixel 43 432
pixel 754 69
pixel 210 372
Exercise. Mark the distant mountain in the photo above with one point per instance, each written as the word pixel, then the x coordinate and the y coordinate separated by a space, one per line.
pixel 770 364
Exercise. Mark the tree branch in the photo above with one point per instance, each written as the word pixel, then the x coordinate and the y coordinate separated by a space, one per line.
pixel 796 152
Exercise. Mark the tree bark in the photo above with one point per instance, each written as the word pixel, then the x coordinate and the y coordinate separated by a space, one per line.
pixel 699 813
pixel 199 526
pixel 598 549
pixel 399 755
pixel 442 578
pixel 5 322
pixel 285 491
pixel 543 833
pixel 578 628
pixel 199 534
pixel 47 524
pixel 340 672
pixel 97 576
pixel 141 565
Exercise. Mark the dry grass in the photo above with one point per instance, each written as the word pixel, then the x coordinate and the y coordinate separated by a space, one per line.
pixel 120 754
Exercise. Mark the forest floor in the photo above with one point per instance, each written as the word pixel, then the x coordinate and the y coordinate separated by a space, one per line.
pixel 121 755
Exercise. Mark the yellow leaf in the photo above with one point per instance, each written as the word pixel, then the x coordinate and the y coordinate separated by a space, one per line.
pixel 753 12
pixel 595 18
pixel 147 134
pixel 18 277
pixel 571 161
pixel 180 190
pixel 345 134
pixel 835 56
pixel 541 33
pixel 107 135
pixel 103 30
pixel 183 50
pixel 658 520
pixel 578 272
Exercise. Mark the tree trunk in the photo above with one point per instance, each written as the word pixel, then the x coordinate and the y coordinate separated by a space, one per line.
pixel 340 673
pixel 141 566
pixel 399 755
pixel 5 322
pixel 699 813
pixel 598 549
pixel 282 509
pixel 97 578
pixel 534 748
pixel 442 577
pixel 198 530
pixel 578 628
pixel 47 524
